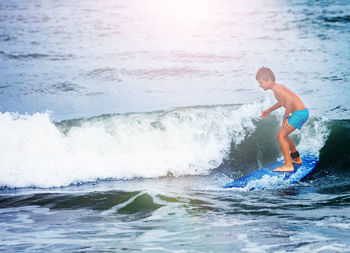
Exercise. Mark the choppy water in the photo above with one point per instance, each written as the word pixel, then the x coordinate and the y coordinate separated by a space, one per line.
pixel 121 120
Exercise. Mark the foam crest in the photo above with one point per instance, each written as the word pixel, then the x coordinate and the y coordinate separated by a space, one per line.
pixel 184 141
pixel 314 135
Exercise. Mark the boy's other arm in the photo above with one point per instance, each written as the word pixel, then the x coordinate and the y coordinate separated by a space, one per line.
pixel 267 112
pixel 289 108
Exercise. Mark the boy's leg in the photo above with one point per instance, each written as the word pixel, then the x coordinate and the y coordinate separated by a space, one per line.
pixel 291 145
pixel 293 150
pixel 283 139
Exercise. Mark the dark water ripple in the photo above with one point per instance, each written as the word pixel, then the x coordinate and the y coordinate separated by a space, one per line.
pixel 337 19
pixel 94 200
pixel 64 87
pixel 35 56
pixel 108 74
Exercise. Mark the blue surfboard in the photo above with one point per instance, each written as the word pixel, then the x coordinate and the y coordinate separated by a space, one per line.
pixel 266 177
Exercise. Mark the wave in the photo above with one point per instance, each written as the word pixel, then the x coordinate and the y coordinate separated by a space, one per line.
pixel 335 154
pixel 37 152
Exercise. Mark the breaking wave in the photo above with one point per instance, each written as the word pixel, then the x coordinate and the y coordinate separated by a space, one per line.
pixel 37 152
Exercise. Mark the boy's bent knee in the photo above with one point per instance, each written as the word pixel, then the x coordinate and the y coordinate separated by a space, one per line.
pixel 280 135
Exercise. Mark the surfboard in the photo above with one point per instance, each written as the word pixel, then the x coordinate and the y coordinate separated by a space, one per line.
pixel 266 177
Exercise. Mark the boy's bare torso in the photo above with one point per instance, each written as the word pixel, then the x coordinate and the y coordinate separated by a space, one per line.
pixel 287 98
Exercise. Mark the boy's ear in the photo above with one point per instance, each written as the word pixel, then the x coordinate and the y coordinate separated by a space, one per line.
pixel 269 80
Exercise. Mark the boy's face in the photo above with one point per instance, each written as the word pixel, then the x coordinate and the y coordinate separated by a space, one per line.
pixel 265 84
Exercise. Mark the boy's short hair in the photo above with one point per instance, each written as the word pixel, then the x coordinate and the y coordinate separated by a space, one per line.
pixel 265 74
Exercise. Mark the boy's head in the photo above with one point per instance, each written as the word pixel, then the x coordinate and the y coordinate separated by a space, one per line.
pixel 265 74
pixel 265 77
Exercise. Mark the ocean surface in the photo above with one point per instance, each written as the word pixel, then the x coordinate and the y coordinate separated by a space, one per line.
pixel 120 121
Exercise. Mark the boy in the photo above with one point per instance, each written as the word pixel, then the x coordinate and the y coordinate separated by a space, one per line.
pixel 295 115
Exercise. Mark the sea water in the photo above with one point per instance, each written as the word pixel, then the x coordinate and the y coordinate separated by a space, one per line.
pixel 120 121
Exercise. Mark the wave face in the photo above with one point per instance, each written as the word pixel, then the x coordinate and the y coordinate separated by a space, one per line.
pixel 36 152
pixel 335 154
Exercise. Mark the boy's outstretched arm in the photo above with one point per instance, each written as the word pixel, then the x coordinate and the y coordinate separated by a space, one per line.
pixel 267 112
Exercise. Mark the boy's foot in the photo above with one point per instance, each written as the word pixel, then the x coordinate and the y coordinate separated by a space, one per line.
pixel 297 160
pixel 284 168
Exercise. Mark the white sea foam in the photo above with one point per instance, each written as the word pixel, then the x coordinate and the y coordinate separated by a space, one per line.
pixel 34 152
pixel 313 136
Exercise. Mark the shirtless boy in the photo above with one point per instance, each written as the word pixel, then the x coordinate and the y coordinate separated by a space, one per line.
pixel 295 116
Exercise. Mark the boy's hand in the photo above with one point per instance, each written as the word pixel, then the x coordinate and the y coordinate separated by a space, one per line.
pixel 265 114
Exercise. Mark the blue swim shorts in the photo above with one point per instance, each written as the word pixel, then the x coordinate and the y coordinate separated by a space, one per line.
pixel 298 118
